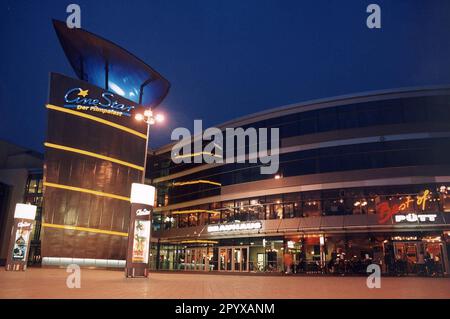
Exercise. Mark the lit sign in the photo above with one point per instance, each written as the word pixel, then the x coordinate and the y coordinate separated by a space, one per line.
pixel 23 224
pixel 233 227
pixel 142 212
pixel 25 211
pixel 386 211
pixel 77 98
pixel 412 218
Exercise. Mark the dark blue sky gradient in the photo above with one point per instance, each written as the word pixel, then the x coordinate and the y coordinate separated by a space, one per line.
pixel 226 59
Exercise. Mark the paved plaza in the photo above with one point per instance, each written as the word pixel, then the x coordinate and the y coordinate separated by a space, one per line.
pixel 51 283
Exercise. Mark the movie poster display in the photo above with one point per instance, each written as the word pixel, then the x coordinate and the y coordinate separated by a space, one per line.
pixel 19 243
pixel 141 241
pixel 142 201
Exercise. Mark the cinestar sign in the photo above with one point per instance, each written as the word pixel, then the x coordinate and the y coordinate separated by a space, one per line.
pixel 234 227
pixel 79 99
pixel 413 218
pixel 142 212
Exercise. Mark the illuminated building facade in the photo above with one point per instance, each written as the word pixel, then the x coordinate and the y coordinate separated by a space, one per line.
pixel 94 150
pixel 362 179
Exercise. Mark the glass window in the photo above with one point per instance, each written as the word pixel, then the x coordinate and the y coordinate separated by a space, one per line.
pixel 347 117
pixel 289 211
pixel 33 186
pixel 444 191
pixel 228 212
pixel 215 217
pixel 328 120
pixel 183 220
pixel 168 221
pixel 193 219
pixel 256 209
pixel 241 210
pixel 275 209
pixel 333 202
pixel 312 204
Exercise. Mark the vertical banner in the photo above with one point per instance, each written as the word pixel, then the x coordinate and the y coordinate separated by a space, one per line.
pixel 142 201
pixel 19 242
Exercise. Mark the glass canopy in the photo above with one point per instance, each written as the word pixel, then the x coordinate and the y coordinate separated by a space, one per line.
pixel 107 65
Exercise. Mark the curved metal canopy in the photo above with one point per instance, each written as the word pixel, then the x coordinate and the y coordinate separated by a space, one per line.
pixel 107 65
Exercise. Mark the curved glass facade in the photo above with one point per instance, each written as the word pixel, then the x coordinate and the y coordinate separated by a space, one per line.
pixel 360 180
pixel 412 110
pixel 324 160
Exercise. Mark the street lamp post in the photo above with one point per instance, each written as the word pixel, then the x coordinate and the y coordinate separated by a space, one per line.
pixel 150 120
pixel 142 201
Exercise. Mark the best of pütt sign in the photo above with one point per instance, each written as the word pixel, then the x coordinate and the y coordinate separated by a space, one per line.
pixel 399 212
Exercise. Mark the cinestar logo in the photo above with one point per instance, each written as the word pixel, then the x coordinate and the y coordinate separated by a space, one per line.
pixel 413 218
pixel 23 224
pixel 79 98
pixel 142 212
pixel 233 227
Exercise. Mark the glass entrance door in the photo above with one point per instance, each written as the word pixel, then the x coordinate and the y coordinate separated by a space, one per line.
pixel 225 259
pixel 237 259
pixel 233 258
pixel 197 259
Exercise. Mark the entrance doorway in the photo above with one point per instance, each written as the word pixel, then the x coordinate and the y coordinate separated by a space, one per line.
pixel 233 258
pixel 422 257
pixel 198 259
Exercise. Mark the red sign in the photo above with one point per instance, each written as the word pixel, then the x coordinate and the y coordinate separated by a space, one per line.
pixel 386 211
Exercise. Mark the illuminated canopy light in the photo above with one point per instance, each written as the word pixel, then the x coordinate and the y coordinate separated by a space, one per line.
pixel 233 227
pixel 201 181
pixel 25 211
pixel 199 241
pixel 142 194
pixel 197 154
pixel 192 211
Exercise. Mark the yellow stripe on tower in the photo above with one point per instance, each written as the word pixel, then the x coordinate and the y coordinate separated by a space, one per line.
pixel 85 190
pixel 91 230
pixel 76 150
pixel 96 119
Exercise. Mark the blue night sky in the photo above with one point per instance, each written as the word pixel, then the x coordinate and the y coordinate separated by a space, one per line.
pixel 226 59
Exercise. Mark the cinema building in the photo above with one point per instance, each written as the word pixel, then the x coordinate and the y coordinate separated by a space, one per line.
pixel 362 179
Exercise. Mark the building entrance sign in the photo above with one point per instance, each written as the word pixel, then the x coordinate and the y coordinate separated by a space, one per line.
pixel 234 227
